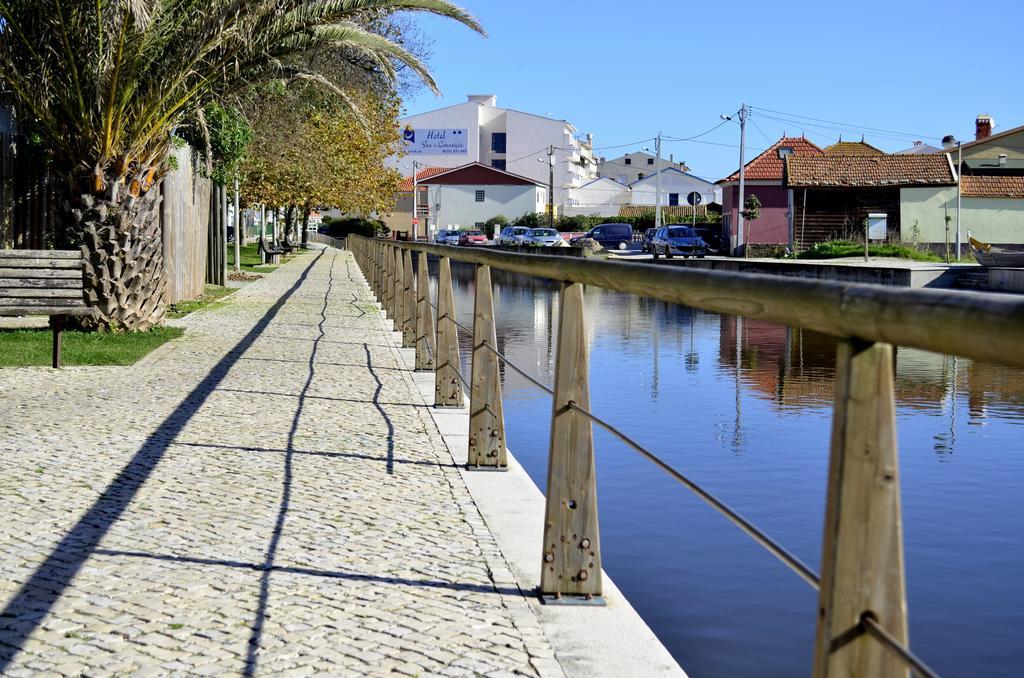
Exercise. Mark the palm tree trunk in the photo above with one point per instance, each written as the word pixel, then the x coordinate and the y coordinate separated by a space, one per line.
pixel 121 242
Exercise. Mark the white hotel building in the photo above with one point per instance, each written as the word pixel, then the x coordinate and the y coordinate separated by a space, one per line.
pixel 479 131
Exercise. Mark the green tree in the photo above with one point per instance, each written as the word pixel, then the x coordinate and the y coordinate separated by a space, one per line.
pixel 105 83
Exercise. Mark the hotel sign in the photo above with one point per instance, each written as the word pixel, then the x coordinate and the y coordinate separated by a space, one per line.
pixel 436 141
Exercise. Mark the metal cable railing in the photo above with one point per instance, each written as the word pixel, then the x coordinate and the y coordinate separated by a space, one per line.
pixel 794 563
pixel 868 623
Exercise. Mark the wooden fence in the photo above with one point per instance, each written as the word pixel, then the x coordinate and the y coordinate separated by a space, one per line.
pixel 861 613
pixel 28 213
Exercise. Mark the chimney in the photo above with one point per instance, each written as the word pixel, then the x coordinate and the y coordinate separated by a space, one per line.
pixel 483 99
pixel 983 125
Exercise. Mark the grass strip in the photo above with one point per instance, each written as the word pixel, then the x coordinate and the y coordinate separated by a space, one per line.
pixel 31 347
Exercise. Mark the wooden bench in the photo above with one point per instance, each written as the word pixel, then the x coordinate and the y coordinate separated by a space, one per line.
pixel 43 282
pixel 271 255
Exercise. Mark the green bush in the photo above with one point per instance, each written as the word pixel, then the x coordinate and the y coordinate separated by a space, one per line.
pixel 493 224
pixel 368 228
pixel 835 249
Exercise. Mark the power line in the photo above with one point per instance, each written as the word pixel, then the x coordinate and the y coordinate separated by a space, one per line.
pixel 847 125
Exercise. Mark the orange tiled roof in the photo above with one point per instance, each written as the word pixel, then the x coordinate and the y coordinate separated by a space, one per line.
pixel 852 148
pixel 768 165
pixel 992 187
pixel 866 171
pixel 425 173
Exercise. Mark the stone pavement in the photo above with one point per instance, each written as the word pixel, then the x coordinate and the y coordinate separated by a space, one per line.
pixel 267 494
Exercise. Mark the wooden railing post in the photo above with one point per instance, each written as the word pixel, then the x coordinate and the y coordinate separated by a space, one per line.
pixel 425 339
pixel 389 281
pixel 447 385
pixel 862 557
pixel 398 300
pixel 486 419
pixel 572 553
pixel 409 300
pixel 377 292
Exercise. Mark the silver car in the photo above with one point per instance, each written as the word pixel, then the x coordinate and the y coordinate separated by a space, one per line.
pixel 511 235
pixel 542 237
pixel 678 239
pixel 447 237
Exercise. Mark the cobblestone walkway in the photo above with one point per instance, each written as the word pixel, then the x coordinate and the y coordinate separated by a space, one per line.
pixel 267 495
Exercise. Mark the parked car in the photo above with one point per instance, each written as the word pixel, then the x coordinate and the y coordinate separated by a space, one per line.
pixel 712 235
pixel 648 236
pixel 543 237
pixel 511 235
pixel 447 237
pixel 610 236
pixel 471 238
pixel 678 239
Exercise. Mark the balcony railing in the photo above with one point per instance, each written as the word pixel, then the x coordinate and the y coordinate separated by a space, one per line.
pixel 861 615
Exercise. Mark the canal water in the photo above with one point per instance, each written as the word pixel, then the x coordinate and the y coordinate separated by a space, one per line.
pixel 744 408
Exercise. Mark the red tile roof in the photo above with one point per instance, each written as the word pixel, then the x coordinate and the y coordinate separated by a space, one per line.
pixel 425 173
pixel 992 187
pixel 852 148
pixel 839 171
pixel 768 165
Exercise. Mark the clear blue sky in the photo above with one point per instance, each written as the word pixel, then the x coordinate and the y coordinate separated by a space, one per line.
pixel 624 70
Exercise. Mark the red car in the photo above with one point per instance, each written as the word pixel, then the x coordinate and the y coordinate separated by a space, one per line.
pixel 472 238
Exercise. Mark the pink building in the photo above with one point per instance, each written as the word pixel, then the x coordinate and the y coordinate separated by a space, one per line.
pixel 763 178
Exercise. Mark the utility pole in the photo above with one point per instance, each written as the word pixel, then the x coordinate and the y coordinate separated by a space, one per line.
pixel 743 141
pixel 959 171
pixel 657 183
pixel 238 233
pixel 551 186
pixel 415 198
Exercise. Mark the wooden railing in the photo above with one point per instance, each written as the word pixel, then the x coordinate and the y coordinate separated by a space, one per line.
pixel 861 620
pixel 338 243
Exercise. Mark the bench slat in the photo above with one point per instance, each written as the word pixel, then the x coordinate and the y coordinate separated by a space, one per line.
pixel 6 302
pixel 40 262
pixel 40 294
pixel 47 310
pixel 41 273
pixel 41 283
pixel 40 254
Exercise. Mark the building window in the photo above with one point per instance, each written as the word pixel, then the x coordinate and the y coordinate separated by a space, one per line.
pixel 673 199
pixel 650 161
pixel 498 163
pixel 479 196
pixel 498 142
pixel 628 161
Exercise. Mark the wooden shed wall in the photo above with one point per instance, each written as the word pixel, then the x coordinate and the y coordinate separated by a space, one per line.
pixel 832 214
pixel 185 217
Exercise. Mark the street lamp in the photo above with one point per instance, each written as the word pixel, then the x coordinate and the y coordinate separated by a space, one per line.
pixel 415 197
pixel 948 143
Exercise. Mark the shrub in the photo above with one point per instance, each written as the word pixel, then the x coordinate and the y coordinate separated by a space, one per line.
pixel 340 228
pixel 492 224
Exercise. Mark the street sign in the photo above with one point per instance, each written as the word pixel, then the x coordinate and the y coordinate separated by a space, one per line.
pixel 693 198
pixel 415 222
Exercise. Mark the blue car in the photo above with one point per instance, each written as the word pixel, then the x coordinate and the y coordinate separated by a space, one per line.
pixel 678 239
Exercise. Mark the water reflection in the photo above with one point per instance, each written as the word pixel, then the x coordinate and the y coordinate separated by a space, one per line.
pixel 744 407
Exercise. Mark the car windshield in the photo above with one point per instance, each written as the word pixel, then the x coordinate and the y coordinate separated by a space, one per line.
pixel 543 232
pixel 472 233
pixel 519 231
pixel 683 232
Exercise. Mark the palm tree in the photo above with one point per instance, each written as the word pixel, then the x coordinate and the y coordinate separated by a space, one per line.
pixel 104 83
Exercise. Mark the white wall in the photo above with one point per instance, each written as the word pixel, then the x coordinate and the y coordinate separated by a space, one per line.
pixel 457 205
pixel 994 220
pixel 603 196
pixel 674 182
pixel 617 169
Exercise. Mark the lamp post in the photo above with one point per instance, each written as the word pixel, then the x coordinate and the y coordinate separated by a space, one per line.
pixel 948 143
pixel 743 114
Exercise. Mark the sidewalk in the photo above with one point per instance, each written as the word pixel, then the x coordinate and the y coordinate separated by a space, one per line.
pixel 267 494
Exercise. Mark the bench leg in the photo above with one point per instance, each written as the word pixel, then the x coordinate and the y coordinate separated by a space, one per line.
pixel 57 322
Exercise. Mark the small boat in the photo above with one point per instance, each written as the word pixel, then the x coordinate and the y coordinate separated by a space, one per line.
pixel 1003 256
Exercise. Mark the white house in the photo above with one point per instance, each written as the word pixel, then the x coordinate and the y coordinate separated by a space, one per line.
pixel 465 197
pixel 602 196
pixel 675 186
pixel 478 131
pixel 635 166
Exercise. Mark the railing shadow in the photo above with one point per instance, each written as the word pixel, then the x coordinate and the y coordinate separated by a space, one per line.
pixel 29 606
